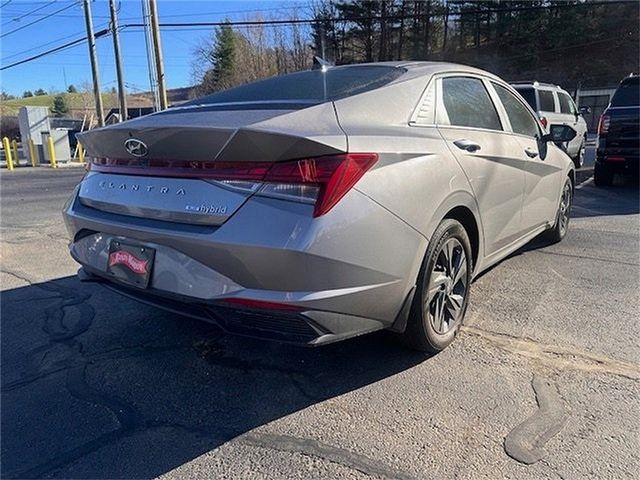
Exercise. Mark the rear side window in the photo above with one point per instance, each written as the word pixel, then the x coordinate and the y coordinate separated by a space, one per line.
pixel 522 121
pixel 467 104
pixel 529 94
pixel 546 101
pixel 627 94
pixel 566 104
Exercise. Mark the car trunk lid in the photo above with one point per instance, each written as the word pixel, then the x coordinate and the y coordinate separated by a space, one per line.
pixel 199 165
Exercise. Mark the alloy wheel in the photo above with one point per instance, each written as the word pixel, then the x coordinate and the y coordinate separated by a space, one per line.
pixel 565 209
pixel 447 287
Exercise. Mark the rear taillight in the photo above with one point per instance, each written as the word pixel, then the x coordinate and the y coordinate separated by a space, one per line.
pixel 544 122
pixel 324 179
pixel 603 124
pixel 321 181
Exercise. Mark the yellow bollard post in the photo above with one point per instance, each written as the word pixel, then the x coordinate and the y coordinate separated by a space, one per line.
pixel 80 152
pixel 7 153
pixel 14 148
pixel 52 153
pixel 32 153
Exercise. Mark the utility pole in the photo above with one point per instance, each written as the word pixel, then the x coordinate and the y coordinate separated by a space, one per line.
pixel 151 64
pixel 122 93
pixel 157 50
pixel 94 62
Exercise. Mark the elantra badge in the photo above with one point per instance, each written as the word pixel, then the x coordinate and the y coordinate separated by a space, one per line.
pixel 136 147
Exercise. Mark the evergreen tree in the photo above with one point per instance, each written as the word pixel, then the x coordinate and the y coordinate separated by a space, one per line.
pixel 39 92
pixel 59 108
pixel 27 94
pixel 222 57
pixel 72 89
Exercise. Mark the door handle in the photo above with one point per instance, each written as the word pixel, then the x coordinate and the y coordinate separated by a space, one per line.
pixel 531 153
pixel 467 145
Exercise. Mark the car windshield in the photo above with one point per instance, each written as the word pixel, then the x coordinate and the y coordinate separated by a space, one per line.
pixel 308 87
pixel 628 94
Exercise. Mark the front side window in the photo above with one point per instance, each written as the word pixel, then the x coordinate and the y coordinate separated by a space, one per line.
pixel 522 121
pixel 566 104
pixel 546 101
pixel 467 103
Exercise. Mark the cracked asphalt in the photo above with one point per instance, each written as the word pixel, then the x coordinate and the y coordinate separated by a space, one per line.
pixel 98 386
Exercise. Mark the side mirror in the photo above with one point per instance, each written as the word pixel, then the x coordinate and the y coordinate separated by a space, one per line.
pixel 559 134
pixel 585 110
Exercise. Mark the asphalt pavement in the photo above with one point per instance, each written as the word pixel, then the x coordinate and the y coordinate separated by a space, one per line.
pixel 542 382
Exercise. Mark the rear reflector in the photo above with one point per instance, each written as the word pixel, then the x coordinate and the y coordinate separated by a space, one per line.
pixel 320 180
pixel 261 305
pixel 614 158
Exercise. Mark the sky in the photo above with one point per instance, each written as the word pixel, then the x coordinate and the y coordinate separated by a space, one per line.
pixel 57 71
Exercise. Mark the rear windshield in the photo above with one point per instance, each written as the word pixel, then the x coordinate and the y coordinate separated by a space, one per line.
pixel 529 94
pixel 308 87
pixel 627 94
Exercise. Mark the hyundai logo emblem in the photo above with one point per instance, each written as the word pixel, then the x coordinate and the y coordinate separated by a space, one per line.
pixel 136 147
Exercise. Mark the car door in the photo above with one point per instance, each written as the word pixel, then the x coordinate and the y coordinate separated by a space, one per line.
pixel 541 179
pixel 467 119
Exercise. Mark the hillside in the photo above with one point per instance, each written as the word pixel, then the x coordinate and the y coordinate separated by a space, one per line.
pixel 82 102
pixel 78 103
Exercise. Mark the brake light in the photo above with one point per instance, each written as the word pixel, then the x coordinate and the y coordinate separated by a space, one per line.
pixel 544 122
pixel 248 171
pixel 603 124
pixel 321 181
pixel 330 177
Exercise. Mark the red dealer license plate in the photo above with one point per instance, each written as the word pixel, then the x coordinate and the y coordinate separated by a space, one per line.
pixel 130 264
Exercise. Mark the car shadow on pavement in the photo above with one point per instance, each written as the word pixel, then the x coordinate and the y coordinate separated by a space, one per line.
pixel 622 198
pixel 99 386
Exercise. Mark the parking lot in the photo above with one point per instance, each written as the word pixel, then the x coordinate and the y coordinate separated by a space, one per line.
pixel 543 381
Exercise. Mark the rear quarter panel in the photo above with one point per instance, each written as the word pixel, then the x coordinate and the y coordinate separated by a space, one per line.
pixel 416 177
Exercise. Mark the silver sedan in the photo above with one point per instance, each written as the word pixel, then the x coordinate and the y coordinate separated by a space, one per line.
pixel 324 204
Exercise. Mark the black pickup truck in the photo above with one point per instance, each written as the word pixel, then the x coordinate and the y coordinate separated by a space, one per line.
pixel 618 147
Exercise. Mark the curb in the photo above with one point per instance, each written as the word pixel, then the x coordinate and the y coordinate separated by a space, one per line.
pixel 582 175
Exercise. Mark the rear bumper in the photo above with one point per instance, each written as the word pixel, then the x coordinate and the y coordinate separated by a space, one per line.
pixel 619 159
pixel 345 273
pixel 296 327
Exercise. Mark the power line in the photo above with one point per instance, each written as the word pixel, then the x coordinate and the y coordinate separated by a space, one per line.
pixel 6 3
pixel 73 43
pixel 104 25
pixel 39 19
pixel 15 19
pixel 194 25
pixel 296 21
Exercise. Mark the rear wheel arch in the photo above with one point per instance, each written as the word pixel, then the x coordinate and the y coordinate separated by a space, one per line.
pixel 572 177
pixel 468 220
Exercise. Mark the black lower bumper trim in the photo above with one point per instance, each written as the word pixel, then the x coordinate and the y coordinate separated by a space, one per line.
pixel 282 326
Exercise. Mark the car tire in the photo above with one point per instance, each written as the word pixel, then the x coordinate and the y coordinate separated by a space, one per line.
pixel 578 159
pixel 563 215
pixel 442 291
pixel 602 175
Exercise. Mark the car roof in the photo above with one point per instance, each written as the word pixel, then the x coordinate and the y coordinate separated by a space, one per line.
pixel 539 85
pixel 421 68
